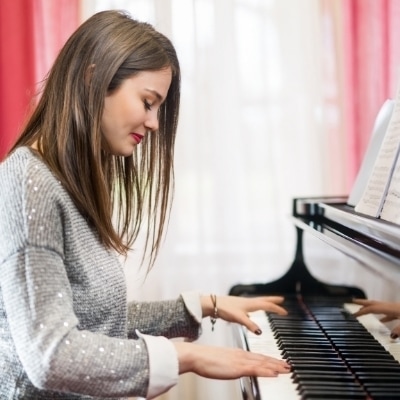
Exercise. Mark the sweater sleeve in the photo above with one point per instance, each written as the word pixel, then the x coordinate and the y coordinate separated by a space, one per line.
pixel 170 318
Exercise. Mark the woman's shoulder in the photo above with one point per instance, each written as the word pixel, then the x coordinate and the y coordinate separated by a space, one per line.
pixel 23 167
pixel 19 161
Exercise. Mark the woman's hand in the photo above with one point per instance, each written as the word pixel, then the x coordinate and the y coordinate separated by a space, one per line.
pixel 226 363
pixel 391 311
pixel 236 309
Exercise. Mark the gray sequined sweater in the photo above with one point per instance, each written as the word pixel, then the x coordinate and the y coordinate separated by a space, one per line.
pixel 66 328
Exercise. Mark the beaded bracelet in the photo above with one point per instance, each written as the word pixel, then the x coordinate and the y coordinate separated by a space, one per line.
pixel 213 319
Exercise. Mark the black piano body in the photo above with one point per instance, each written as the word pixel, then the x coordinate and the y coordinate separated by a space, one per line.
pixel 371 242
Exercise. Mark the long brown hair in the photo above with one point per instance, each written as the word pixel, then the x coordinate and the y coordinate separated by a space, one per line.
pixel 106 49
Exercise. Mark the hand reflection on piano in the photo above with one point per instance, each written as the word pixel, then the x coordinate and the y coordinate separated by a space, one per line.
pixel 390 310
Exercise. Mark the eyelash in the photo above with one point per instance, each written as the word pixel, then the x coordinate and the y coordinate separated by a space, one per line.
pixel 147 105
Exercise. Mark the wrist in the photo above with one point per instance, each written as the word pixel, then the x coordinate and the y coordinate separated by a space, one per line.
pixel 185 352
pixel 207 307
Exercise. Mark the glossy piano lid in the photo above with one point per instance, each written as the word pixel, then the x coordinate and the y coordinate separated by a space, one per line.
pixel 380 230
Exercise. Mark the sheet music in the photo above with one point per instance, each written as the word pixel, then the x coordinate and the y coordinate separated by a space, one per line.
pixel 378 133
pixel 391 206
pixel 373 198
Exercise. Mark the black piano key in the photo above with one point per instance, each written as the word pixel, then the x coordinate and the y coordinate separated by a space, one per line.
pixel 349 334
pixel 303 377
pixel 334 394
pixel 309 346
pixel 318 363
pixel 315 368
pixel 378 379
pixel 313 360
pixel 354 362
pixel 376 368
pixel 384 376
pixel 378 395
pixel 293 354
pixel 366 355
pixel 362 346
pixel 382 386
pixel 282 344
pixel 329 385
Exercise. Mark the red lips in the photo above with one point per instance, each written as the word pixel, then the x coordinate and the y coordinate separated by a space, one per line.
pixel 138 137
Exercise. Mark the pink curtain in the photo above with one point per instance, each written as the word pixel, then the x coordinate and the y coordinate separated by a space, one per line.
pixel 367 66
pixel 31 34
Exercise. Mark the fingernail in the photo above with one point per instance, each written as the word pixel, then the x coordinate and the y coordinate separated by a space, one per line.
pixel 394 335
pixel 258 332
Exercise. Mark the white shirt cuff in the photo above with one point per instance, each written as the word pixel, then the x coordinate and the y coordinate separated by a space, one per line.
pixel 164 366
pixel 192 303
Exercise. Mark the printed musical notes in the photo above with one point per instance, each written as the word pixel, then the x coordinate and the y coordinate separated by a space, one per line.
pixel 381 197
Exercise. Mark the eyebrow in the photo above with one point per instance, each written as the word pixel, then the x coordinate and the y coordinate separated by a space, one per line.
pixel 158 95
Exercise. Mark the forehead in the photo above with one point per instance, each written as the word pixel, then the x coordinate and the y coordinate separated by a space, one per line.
pixel 158 81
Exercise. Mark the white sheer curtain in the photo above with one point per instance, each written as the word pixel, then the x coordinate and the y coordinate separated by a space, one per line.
pixel 251 137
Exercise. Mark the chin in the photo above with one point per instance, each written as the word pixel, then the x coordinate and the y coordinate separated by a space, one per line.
pixel 123 152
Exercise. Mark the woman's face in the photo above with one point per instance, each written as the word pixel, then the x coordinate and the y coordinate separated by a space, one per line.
pixel 131 111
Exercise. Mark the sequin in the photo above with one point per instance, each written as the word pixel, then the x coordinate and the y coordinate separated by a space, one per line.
pixel 59 295
pixel 138 346
pixel 65 323
pixel 67 342
pixel 35 188
pixel 101 349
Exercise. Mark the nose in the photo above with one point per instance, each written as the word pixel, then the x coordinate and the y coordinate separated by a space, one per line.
pixel 151 122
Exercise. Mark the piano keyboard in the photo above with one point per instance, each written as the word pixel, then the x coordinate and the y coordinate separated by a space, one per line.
pixel 333 355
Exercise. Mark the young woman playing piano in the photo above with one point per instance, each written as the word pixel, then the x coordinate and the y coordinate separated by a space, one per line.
pixel 99 141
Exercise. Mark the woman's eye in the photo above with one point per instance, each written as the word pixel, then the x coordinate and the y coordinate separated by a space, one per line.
pixel 147 105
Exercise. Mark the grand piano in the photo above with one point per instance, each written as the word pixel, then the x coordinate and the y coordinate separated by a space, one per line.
pixel 333 354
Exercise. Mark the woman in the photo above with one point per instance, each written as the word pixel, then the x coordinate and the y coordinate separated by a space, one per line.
pixel 66 330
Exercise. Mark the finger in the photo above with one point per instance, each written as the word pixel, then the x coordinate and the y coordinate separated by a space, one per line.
pixel 362 311
pixel 277 365
pixel 395 332
pixel 274 308
pixel 362 302
pixel 387 318
pixel 274 299
pixel 251 326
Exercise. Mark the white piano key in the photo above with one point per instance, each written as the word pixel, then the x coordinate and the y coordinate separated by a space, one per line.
pixel 282 386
